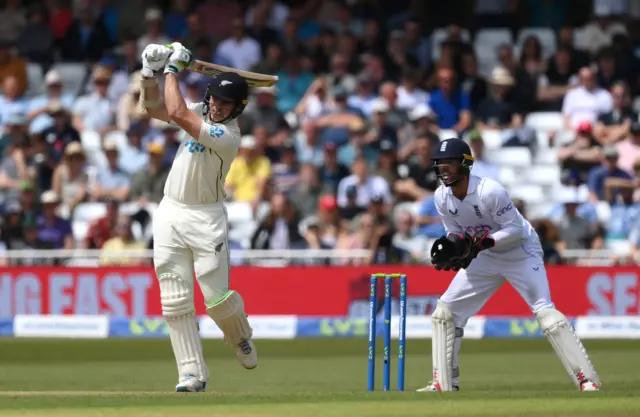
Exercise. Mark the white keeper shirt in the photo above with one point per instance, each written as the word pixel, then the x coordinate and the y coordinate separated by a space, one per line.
pixel 488 206
pixel 201 165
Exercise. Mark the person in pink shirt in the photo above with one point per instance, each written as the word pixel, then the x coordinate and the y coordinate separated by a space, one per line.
pixel 629 149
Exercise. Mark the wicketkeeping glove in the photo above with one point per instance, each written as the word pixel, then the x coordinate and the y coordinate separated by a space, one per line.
pixel 449 252
pixel 178 60
pixel 154 58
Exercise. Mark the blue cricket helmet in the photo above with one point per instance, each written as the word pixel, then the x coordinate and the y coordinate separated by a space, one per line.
pixel 454 149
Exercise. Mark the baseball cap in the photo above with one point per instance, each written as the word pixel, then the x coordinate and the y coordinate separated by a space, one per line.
pixel 49 197
pixel 155 148
pixel 27 186
pixel 328 202
pixel 52 78
pixel 110 145
pixel 248 142
pixel 474 135
pixel 585 127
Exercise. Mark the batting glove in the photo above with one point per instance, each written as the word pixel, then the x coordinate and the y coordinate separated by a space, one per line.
pixel 154 58
pixel 178 60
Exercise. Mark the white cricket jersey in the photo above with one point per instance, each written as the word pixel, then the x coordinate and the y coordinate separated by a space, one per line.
pixel 201 165
pixel 488 206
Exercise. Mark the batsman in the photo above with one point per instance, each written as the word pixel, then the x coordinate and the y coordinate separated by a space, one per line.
pixel 489 242
pixel 190 225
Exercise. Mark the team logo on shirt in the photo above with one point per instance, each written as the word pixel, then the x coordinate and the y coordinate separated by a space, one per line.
pixel 453 212
pixel 194 146
pixel 478 213
pixel 216 131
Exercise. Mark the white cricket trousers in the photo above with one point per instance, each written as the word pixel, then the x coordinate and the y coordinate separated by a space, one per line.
pixel 471 288
pixel 193 238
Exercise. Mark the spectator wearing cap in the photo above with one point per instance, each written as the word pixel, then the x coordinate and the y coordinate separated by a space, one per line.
pixel 11 234
pixel 625 213
pixel 119 82
pixel 242 50
pixel 249 174
pixel 60 134
pixel 265 113
pixel 575 231
pixel 584 153
pixel 11 101
pixel 408 245
pixel 15 126
pixel 148 184
pixel 87 38
pixel 410 95
pixel 339 73
pixel 585 102
pixel 70 180
pixel 422 120
pixel 39 107
pixel 95 112
pixel 629 149
pixel 332 172
pixel 387 162
pixel 12 66
pixel 381 128
pixel 308 146
pixel 102 229
pixel 27 201
pixel 307 192
pixel 134 156
pixel 497 112
pixel 36 41
pixel 481 167
pixel 16 164
pixel 169 139
pixel 122 240
pixel 614 125
pixel 128 104
pixel 452 106
pixel 285 175
pixel 154 32
pixel 111 183
pixel 609 169
pixel 366 186
pixel 52 229
pixel 417 178
pixel 362 98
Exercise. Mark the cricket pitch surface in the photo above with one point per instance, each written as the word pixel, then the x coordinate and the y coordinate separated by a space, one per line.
pixel 307 378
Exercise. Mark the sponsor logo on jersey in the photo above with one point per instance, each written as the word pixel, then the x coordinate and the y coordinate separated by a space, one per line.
pixel 472 230
pixel 503 210
pixel 193 146
pixel 453 212
pixel 216 131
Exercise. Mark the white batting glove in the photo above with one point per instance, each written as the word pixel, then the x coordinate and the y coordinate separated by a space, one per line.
pixel 178 60
pixel 154 58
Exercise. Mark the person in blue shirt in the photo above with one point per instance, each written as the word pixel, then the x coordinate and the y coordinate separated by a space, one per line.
pixel 429 219
pixel 450 104
pixel 608 169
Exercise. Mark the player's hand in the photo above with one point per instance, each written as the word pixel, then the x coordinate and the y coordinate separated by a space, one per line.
pixel 154 58
pixel 449 252
pixel 178 60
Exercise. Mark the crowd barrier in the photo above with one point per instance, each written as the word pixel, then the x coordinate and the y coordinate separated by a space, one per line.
pixel 302 291
pixel 293 327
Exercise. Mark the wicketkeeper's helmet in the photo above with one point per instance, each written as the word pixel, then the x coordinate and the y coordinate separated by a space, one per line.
pixel 453 149
pixel 228 86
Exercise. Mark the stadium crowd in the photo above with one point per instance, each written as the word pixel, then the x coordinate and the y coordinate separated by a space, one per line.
pixel 337 154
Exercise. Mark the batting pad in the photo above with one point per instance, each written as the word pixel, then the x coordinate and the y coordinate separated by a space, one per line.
pixel 442 344
pixel 567 345
pixel 229 315
pixel 178 309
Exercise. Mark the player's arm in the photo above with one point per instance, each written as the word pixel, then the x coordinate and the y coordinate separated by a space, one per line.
pixel 151 101
pixel 503 212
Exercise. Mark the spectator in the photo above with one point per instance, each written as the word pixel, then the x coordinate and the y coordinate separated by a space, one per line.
pixel 607 72
pixel 506 59
pixel 36 41
pixel 102 229
pixel 112 183
pixel 70 180
pixel 332 228
pixel 361 236
pixel 558 79
pixel 323 52
pixel 306 194
pixel 417 179
pixel 575 232
pixel 364 96
pixel 12 20
pixel 614 125
pixel 308 149
pixel 428 219
pixel 629 149
pixel 61 133
pixel 30 240
pixel 249 174
pixel 497 112
pixel 53 230
pixel 418 45
pixel 265 113
pixel 396 117
pixel 129 107
pixel 279 229
pixel 609 169
pixel 275 11
pixel 366 187
pixel 12 104
pixel 129 58
pixel 134 156
pixel 422 121
pixel 585 102
pixel 599 32
pixel 16 166
pixel 337 124
pixel 118 250
pixel 148 184
pixel 260 31
pixel 241 50
pixel 12 227
pixel 270 64
pixel 87 39
pixel 332 172
pixel 95 112
pixel 28 201
pixel 175 23
pixel 481 167
pixel 409 93
pixel 387 163
pixel 408 246
pixel 285 175
pixel 41 105
pixel 584 153
pixel 565 40
pixel 315 101
pixel 471 81
pixel 624 214
pixel 548 234
pixel 310 230
pixel 451 105
pixel 381 131
pixel 154 29
pixel 293 82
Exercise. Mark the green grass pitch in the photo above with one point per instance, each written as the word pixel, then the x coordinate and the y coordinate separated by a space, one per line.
pixel 321 377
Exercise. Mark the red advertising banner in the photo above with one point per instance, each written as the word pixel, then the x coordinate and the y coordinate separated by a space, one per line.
pixel 304 291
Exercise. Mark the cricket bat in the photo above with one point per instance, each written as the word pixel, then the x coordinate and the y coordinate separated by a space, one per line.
pixel 254 79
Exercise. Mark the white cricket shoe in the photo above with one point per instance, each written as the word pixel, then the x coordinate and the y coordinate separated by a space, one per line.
pixel 190 384
pixel 435 387
pixel 588 385
pixel 247 354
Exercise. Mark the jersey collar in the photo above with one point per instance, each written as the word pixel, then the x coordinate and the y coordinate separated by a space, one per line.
pixel 473 185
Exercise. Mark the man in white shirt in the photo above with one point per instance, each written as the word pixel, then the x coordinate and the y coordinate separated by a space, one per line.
pixel 487 242
pixel 190 227
pixel 367 187
pixel 241 50
pixel 585 102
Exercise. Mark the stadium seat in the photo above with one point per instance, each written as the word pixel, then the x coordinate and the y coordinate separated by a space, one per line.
pixel 517 157
pixel 545 121
pixel 447 134
pixel 546 157
pixel 529 193
pixel 545 175
pixel 492 38
pixel 440 35
pixel 539 210
pixel 119 137
pixel 542 138
pixel 80 229
pixel 546 37
pixel 73 76
pixel 563 137
pixel 35 79
pixel 492 139
pixel 242 232
pixel 129 208
pixel 603 210
pixel 88 212
pixel 239 212
pixel 92 144
pixel 508 176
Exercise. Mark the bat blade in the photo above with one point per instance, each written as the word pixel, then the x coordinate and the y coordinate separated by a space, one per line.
pixel 254 79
